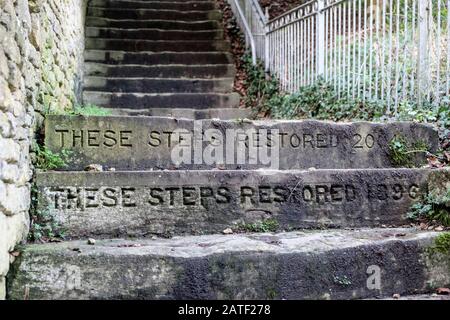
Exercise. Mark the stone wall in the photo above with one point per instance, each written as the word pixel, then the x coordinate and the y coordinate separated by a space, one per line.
pixel 41 55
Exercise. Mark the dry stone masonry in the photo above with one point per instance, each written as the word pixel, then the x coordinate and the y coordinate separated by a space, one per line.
pixel 41 46
pixel 177 158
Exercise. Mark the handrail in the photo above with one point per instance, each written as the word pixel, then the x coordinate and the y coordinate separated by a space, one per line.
pixel 248 31
pixel 304 5
pixel 261 14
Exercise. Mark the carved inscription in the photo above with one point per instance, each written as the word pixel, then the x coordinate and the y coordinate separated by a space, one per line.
pixel 247 196
pixel 80 138
pixel 109 139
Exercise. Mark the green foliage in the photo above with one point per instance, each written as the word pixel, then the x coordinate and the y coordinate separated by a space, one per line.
pixel 321 101
pixel 428 113
pixel 342 280
pixel 268 225
pixel 48 160
pixel 318 101
pixel 401 153
pixel 261 88
pixel 433 208
pixel 43 226
pixel 90 110
pixel 442 243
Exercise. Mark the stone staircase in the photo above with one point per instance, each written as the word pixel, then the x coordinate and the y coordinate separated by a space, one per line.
pixel 160 58
pixel 325 218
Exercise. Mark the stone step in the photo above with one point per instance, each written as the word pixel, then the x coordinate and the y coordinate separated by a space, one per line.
pixel 159 58
pixel 166 5
pixel 295 144
pixel 153 24
pixel 157 45
pixel 158 85
pixel 178 202
pixel 193 114
pixel 162 100
pixel 153 34
pixel 154 14
pixel 333 264
pixel 161 71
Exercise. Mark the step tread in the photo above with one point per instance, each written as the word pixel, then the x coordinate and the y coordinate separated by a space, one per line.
pixel 189 114
pixel 293 265
pixel 164 24
pixel 197 5
pixel 164 100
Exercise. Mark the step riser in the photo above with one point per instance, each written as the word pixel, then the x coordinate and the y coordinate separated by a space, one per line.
pixel 231 268
pixel 175 100
pixel 187 6
pixel 302 144
pixel 148 14
pixel 118 204
pixel 157 85
pixel 216 113
pixel 152 34
pixel 119 57
pixel 153 24
pixel 161 71
pixel 156 46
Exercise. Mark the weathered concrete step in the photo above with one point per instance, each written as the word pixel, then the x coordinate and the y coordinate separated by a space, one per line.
pixel 296 265
pixel 151 14
pixel 152 24
pixel 162 100
pixel 292 144
pixel 158 85
pixel 161 71
pixel 153 34
pixel 172 202
pixel 193 114
pixel 159 58
pixel 157 45
pixel 167 5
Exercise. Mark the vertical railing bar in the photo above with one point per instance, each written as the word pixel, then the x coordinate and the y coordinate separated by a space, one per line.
pixel 354 51
pixel 383 49
pixel 438 48
pixel 429 46
pixel 377 53
pixel 335 52
pixel 397 56
pixel 447 89
pixel 348 35
pixel 405 51
pixel 365 50
pixel 389 86
pixel 359 49
pixel 371 50
pixel 344 45
pixel 413 40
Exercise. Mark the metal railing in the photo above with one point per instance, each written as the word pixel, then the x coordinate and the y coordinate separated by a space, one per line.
pixel 253 21
pixel 386 50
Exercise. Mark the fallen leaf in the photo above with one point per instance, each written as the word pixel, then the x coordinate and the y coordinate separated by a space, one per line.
pixel 15 253
pixel 443 291
pixel 227 231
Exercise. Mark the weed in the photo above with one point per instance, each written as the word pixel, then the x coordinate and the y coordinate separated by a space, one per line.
pixel 268 225
pixel 342 280
pixel 48 160
pixel 401 153
pixel 433 208
pixel 90 110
